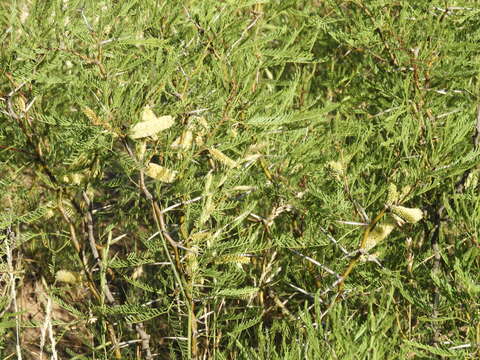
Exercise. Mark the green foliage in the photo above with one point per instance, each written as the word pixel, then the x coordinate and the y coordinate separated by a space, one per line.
pixel 292 119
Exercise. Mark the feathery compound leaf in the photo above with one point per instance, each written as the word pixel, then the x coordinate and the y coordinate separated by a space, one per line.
pixel 303 118
pixel 146 315
pixel 36 214
pixel 150 124
pixel 238 293
pixel 246 325
pixel 69 307
pixel 306 83
pixel 130 261
pixel 141 285
pixel 237 259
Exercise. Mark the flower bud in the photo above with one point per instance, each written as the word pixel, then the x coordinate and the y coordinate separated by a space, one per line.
pixel 337 169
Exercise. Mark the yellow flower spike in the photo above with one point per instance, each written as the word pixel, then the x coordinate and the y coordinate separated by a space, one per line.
pixel 336 166
pixel 203 123
pixel 251 158
pixel 405 191
pixel 66 276
pixel 200 236
pixel 75 178
pixel 221 157
pixel 20 102
pixel 98 121
pixel 141 148
pixel 378 234
pixel 137 273
pixel 78 178
pixel 398 220
pixel 393 195
pixel 90 114
pixel 410 215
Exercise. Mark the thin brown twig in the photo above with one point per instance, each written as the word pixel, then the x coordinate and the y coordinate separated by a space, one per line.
pixel 315 262
pixel 17 150
pixel 145 338
pixel 393 58
pixel 334 241
pixel 92 242
pixel 176 265
pixel 354 261
pixel 13 291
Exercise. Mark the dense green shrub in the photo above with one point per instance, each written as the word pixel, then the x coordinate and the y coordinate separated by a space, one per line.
pixel 239 179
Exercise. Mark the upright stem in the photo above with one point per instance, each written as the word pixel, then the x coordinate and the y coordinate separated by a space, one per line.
pixel 363 243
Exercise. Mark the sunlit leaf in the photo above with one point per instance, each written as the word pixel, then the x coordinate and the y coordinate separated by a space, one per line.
pixel 160 173
pixel 150 124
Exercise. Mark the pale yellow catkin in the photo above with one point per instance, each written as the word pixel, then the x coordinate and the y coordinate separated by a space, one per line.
pixel 378 234
pixel 224 159
pixel 410 215
pixel 393 195
pixel 66 276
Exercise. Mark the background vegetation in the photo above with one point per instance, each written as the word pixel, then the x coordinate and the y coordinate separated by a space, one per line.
pixel 291 123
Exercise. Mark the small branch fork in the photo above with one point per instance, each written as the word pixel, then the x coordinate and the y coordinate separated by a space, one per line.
pixel 92 243
pixel 363 243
